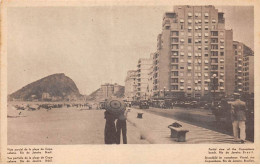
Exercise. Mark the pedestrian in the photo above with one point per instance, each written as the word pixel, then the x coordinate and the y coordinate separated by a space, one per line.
pixel 238 118
pixel 110 129
pixel 121 126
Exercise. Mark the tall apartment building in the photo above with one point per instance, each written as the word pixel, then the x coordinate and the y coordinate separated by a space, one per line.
pixel 150 82
pixel 131 85
pixel 143 68
pixel 192 47
pixel 244 68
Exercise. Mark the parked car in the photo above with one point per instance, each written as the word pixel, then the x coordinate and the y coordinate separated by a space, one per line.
pixel 194 104
pixel 144 104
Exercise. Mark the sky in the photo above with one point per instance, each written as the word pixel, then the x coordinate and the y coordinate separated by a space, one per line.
pixel 92 45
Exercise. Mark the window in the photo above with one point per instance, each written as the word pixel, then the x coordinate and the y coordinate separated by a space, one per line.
pixel 181 27
pixel 214 53
pixel 175 73
pixel 175 33
pixel 189 40
pixel 175 60
pixel 174 80
pixel 174 87
pixel 214 33
pixel 214 46
pixel 182 68
pixel 175 53
pixel 174 67
pixel 221 53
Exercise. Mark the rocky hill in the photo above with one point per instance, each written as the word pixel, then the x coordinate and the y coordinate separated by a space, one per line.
pixel 52 87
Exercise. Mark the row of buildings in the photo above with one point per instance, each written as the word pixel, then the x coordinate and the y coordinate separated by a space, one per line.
pixel 195 57
pixel 107 90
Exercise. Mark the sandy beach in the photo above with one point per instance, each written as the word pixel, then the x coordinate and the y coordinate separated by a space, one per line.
pixel 60 126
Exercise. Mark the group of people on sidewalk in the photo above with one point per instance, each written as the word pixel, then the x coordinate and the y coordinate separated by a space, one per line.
pixel 113 131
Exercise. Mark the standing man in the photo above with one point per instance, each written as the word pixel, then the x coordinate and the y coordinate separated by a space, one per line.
pixel 121 125
pixel 238 118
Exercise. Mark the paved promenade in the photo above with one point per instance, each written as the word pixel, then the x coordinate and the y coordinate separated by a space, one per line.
pixel 155 129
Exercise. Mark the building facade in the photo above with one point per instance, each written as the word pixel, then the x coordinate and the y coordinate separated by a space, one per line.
pixel 192 51
pixel 107 90
pixel 143 68
pixel 131 85
pixel 244 68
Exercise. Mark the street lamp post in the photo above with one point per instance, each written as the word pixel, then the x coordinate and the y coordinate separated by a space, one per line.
pixel 164 92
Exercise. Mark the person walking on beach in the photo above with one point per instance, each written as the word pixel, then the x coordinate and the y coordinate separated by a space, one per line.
pixel 110 129
pixel 121 126
pixel 238 118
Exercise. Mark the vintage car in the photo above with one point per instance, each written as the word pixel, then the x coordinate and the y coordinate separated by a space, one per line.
pixel 144 104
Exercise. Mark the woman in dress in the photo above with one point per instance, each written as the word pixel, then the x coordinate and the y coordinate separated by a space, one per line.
pixel 110 128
